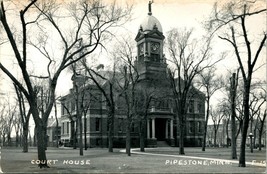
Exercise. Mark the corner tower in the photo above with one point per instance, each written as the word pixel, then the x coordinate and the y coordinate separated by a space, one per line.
pixel 150 62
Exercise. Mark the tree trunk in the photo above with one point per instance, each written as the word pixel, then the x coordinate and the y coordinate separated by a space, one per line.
pixel 260 141
pixel 261 130
pixel 25 138
pixel 81 135
pixel 17 138
pixel 85 130
pixel 110 138
pixel 41 144
pixel 4 139
pixel 128 137
pixel 72 133
pixel 233 139
pixel 242 156
pixel 215 137
pixel 255 138
pixel 9 139
pixel 182 131
pixel 75 136
pixel 111 129
pixel 206 126
pixel 142 136
pixel 233 116
pixel 56 134
pixel 227 133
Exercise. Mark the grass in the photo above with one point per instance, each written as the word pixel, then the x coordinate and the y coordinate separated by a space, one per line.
pixel 101 161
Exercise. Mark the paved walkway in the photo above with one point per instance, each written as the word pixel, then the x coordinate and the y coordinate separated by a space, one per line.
pixel 215 160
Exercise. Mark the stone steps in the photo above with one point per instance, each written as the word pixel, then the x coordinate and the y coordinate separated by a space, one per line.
pixel 162 144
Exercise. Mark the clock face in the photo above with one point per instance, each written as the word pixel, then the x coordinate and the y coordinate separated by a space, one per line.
pixel 155 47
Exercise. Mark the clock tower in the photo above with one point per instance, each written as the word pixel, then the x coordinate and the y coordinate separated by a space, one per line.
pixel 150 62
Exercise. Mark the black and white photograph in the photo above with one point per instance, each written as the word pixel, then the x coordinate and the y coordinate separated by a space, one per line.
pixel 133 86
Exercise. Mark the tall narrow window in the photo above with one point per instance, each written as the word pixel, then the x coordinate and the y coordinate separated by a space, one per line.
pixel 199 126
pixel 73 106
pixel 120 124
pixel 68 124
pixel 62 108
pixel 191 127
pixel 191 106
pixel 63 128
pixel 133 127
pixel 199 107
pixel 97 124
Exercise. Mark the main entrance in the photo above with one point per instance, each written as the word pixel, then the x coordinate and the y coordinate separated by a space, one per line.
pixel 161 129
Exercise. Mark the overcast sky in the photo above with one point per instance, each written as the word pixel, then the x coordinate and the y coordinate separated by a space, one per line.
pixel 171 14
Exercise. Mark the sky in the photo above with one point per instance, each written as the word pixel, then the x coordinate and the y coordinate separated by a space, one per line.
pixel 186 14
pixel 171 14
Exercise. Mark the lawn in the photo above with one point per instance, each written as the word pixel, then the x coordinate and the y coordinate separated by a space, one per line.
pixel 99 160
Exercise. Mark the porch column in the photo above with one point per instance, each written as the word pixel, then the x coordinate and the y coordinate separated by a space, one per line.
pixel 166 130
pixel 148 128
pixel 153 128
pixel 171 129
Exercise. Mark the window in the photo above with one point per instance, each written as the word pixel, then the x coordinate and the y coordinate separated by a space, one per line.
pixel 199 126
pixel 72 104
pixel 68 124
pixel 132 127
pixel 62 109
pixel 97 124
pixel 191 127
pixel 199 108
pixel 120 124
pixel 191 106
pixel 63 128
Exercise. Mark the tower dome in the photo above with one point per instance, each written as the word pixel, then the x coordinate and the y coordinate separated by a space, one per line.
pixel 150 23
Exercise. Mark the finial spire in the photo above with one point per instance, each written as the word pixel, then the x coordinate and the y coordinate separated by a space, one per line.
pixel 149 8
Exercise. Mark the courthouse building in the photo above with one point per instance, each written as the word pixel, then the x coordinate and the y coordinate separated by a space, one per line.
pixel 161 113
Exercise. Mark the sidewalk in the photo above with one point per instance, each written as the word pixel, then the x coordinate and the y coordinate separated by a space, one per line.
pixel 216 155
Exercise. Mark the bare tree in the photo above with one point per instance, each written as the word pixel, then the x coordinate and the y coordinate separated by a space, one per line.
pixel 91 22
pixel 78 81
pixel 85 107
pixel 143 103
pixel 261 120
pixel 8 120
pixel 57 125
pixel 233 88
pixel 73 135
pixel 17 125
pixel 233 17
pixel 3 123
pixel 216 116
pixel 189 57
pixel 127 84
pixel 225 109
pixel 25 117
pixel 108 92
pixel 257 103
pixel 211 83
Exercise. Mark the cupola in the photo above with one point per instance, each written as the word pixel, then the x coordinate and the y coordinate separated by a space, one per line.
pixel 150 60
